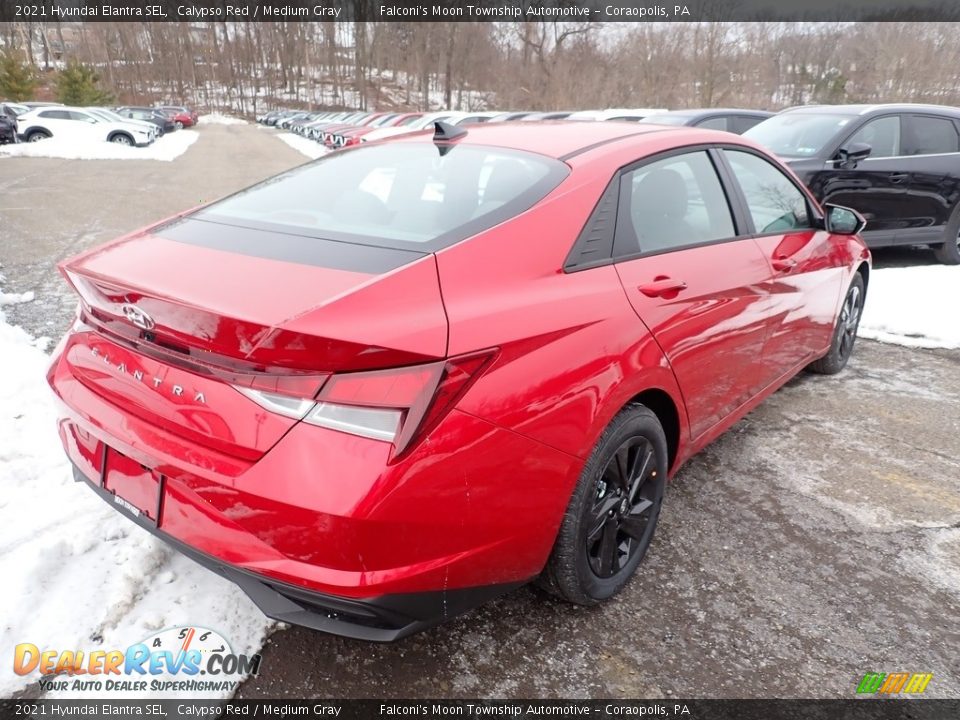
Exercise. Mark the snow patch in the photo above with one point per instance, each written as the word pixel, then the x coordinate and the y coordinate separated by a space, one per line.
pixel 311 149
pixel 167 148
pixel 913 306
pixel 219 119
pixel 15 298
pixel 80 575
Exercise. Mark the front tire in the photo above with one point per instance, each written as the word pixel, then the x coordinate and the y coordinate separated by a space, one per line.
pixel 845 334
pixel 121 139
pixel 179 125
pixel 949 252
pixel 613 511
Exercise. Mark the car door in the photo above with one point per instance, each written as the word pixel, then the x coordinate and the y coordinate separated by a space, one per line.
pixel 806 265
pixel 931 156
pixel 695 281
pixel 84 126
pixel 877 186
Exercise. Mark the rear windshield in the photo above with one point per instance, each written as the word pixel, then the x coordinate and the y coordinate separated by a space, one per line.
pixel 401 195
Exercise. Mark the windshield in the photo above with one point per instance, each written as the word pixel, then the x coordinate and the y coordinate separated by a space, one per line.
pixel 798 135
pixel 402 195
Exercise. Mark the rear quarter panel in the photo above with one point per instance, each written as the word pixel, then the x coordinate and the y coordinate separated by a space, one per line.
pixel 573 352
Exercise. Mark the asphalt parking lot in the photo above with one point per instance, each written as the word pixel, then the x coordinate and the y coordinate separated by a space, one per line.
pixel 816 541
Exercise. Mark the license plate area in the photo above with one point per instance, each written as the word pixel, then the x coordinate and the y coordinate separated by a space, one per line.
pixel 137 490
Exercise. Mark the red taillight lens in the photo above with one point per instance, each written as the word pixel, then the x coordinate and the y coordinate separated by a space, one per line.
pixel 399 405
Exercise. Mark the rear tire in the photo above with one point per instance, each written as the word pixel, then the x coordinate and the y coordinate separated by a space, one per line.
pixel 845 333
pixel 179 125
pixel 37 135
pixel 613 511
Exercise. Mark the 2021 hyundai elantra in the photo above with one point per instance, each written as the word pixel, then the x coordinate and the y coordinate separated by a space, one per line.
pixel 381 388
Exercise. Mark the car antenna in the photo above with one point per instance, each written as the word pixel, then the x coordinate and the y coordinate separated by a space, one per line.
pixel 444 133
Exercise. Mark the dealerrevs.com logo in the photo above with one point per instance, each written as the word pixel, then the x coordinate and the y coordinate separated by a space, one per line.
pixel 178 659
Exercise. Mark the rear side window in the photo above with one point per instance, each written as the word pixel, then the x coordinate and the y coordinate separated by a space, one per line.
pixel 672 203
pixel 882 135
pixel 775 203
pixel 404 195
pixel 716 123
pixel 926 135
pixel 741 123
pixel 55 115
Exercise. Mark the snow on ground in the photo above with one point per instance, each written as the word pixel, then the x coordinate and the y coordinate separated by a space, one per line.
pixel 219 119
pixel 913 306
pixel 310 148
pixel 167 148
pixel 79 575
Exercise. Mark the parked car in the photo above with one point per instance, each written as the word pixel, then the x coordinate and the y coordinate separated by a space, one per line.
pixel 285 122
pixel 551 115
pixel 181 116
pixel 466 366
pixel 353 136
pixel 473 118
pixel 510 116
pixel 898 165
pixel 314 130
pixel 8 129
pixel 12 109
pixel 629 114
pixel 111 116
pixel 164 123
pixel 728 119
pixel 330 131
pixel 79 124
pixel 423 122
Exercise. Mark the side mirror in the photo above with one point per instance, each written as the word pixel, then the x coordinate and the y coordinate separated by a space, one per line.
pixel 844 221
pixel 848 157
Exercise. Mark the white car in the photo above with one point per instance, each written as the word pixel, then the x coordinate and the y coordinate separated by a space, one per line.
pixel 629 114
pixel 79 124
pixel 111 116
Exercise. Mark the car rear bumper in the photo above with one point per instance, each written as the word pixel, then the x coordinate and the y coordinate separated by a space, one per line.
pixel 323 530
pixel 380 619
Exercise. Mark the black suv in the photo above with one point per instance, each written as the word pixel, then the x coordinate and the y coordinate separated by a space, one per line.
pixel 8 124
pixel 899 165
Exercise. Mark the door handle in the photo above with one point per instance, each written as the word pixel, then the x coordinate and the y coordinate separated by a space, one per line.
pixel 662 286
pixel 783 264
pixel 898 177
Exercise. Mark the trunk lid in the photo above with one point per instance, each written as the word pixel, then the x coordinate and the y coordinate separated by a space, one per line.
pixel 245 307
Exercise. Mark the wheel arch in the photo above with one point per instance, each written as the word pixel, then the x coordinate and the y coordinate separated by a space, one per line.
pixel 864 271
pixel 127 135
pixel 661 404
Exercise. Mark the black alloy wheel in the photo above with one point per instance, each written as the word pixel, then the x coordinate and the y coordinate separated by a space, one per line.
pixel 620 518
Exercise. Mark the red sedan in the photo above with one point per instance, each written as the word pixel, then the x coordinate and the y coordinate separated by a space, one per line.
pixel 381 388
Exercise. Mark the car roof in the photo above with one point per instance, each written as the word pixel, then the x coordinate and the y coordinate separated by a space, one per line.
pixel 874 109
pixel 699 112
pixel 561 138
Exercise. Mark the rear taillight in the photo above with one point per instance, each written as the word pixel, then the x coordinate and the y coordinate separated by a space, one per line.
pixel 399 405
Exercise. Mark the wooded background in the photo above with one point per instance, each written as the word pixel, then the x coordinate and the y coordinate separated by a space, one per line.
pixel 250 67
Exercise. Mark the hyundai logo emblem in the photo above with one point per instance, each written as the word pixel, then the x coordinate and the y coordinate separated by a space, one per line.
pixel 138 317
